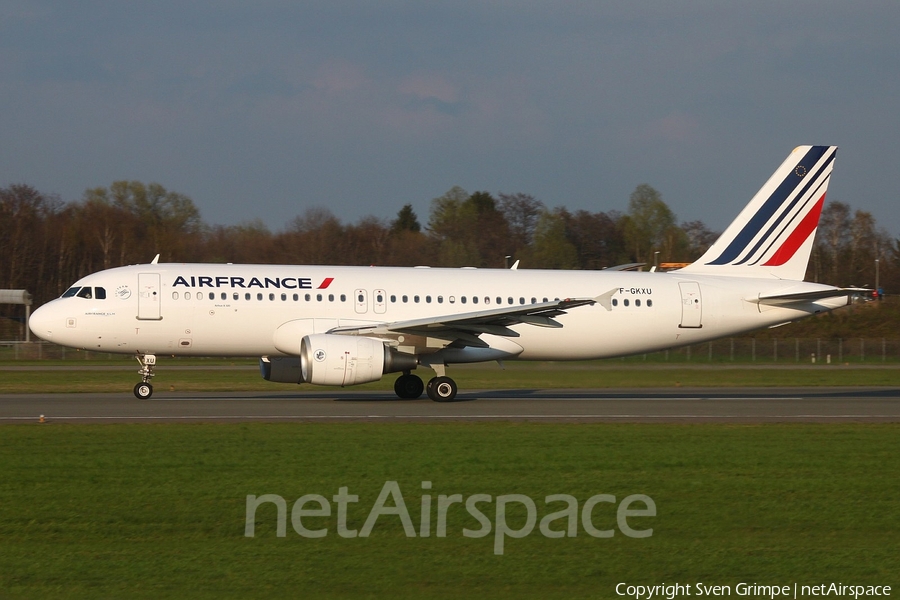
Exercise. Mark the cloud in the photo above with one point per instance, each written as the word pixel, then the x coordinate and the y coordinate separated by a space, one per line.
pixel 675 128
pixel 576 102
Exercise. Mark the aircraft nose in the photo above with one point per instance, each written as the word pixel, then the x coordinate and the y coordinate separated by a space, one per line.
pixel 43 322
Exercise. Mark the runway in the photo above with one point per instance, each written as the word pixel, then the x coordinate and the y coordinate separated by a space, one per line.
pixel 670 405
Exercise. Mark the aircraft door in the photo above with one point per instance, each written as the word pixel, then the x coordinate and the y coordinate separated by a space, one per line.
pixel 361 301
pixel 148 297
pixel 691 304
pixel 379 301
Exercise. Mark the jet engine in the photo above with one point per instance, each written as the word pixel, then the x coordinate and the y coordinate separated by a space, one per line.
pixel 328 359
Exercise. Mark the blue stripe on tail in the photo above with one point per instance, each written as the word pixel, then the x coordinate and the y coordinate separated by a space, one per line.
pixel 775 201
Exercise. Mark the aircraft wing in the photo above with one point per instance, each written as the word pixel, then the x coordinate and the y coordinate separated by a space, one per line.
pixel 464 328
pixel 781 299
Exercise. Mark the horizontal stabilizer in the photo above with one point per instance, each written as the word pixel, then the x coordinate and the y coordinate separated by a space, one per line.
pixel 782 299
pixel 626 267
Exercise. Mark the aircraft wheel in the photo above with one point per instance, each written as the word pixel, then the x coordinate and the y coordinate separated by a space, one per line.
pixel 442 389
pixel 409 387
pixel 143 390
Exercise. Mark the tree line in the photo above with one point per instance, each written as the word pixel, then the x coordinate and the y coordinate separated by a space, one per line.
pixel 46 244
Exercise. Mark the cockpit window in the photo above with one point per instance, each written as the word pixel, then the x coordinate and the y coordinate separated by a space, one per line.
pixel 85 293
pixel 100 293
pixel 71 292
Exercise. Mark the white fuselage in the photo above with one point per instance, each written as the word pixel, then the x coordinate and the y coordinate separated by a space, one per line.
pixel 260 310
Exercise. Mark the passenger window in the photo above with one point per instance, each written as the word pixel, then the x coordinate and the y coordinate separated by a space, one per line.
pixel 100 293
pixel 224 296
pixel 521 300
pixel 615 302
pixel 85 293
pixel 247 296
pixel 296 297
pixel 360 298
pixel 428 299
pixel 545 300
pixel 649 303
pixel 174 295
pixel 318 297
pixel 236 296
pixel 416 299
pixel 331 297
pixel 307 297
pixel 212 296
pixel 474 299
pixel 463 299
pixel 187 295
pixel 510 300
pixel 499 300
pixel 283 297
pixel 259 296
pixel 625 302
pixel 440 299
pixel 533 300
pixel 70 292
pixel 487 300
pixel 452 299
pixel 393 298
pixel 405 299
pixel 637 302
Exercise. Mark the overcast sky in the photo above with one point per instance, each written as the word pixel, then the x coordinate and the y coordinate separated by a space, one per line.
pixel 262 109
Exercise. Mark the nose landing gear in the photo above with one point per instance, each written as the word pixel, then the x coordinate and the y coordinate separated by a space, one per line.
pixel 144 390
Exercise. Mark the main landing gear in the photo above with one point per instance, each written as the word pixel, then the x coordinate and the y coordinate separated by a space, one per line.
pixel 408 386
pixel 144 390
pixel 440 388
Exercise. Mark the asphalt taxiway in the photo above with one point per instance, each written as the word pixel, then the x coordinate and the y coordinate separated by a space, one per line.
pixel 669 405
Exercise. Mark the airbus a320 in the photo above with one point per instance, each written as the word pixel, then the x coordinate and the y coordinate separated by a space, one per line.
pixel 342 326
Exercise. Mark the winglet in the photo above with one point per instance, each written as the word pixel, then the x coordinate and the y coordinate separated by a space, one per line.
pixel 605 300
pixel 155 260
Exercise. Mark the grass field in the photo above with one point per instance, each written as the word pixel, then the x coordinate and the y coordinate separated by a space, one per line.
pixel 158 510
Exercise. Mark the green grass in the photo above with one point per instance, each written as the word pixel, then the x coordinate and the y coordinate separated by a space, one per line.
pixel 158 511
pixel 243 377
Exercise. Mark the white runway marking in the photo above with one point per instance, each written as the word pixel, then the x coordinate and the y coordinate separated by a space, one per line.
pixel 49 418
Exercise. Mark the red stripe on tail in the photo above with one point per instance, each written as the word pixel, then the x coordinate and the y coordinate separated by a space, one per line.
pixel 797 237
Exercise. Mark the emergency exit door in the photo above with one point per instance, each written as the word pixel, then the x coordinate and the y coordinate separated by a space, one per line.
pixel 361 303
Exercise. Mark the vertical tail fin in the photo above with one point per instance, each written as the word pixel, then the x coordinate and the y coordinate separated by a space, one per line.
pixel 773 236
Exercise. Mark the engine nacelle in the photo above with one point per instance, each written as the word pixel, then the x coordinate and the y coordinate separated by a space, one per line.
pixel 328 359
pixel 340 360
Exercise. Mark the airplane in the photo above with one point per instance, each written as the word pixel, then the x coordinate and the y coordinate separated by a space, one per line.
pixel 342 326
